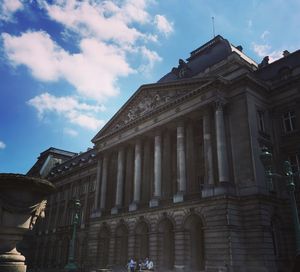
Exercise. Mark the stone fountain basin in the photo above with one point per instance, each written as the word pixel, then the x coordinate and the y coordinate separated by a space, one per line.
pixel 22 201
pixel 19 197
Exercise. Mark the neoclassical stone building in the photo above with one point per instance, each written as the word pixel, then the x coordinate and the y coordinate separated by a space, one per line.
pixel 175 175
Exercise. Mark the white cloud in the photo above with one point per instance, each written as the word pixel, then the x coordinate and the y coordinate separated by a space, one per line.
pixel 8 8
pixel 163 25
pixel 2 145
pixel 75 112
pixel 264 35
pixel 263 50
pixel 106 34
pixel 151 58
pixel 93 72
pixel 250 23
pixel 104 20
pixel 109 36
pixel 85 120
pixel 70 132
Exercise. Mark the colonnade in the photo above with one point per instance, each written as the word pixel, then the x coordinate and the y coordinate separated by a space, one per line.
pixel 212 176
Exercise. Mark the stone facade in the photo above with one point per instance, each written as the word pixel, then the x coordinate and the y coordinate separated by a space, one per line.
pixel 176 175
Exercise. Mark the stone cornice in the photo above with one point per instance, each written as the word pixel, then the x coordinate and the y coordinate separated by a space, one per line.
pixel 155 97
pixel 177 101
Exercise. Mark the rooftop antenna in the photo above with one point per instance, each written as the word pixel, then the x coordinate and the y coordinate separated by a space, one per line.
pixel 213 25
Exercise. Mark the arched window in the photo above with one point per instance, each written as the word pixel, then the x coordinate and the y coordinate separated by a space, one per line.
pixel 194 247
pixel 121 245
pixel 166 244
pixel 141 241
pixel 103 247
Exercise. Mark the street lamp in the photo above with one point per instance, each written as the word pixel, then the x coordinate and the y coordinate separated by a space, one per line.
pixel 267 159
pixel 71 266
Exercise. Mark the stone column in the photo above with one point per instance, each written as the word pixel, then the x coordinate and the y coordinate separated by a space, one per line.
pixel 104 183
pixel 97 187
pixel 120 181
pixel 221 142
pixel 207 190
pixel 137 176
pixel 207 145
pixel 154 202
pixel 181 164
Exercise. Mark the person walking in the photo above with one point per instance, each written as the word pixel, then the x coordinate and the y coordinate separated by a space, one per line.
pixel 131 265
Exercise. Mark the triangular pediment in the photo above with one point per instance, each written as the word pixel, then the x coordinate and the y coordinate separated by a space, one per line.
pixel 146 100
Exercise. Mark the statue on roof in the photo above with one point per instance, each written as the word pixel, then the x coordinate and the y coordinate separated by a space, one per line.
pixel 182 71
pixel 264 62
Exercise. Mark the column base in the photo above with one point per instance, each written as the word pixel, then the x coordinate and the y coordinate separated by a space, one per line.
pixel 208 190
pixel 96 213
pixel 133 206
pixel 225 188
pixel 115 210
pixel 154 202
pixel 179 197
pixel 179 268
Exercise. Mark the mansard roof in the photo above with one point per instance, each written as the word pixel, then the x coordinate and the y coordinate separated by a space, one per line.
pixel 76 162
pixel 43 159
pixel 279 68
pixel 204 57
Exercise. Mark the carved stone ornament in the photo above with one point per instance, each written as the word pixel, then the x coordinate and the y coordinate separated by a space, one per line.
pixel 147 103
pixel 182 71
pixel 38 213
pixel 220 102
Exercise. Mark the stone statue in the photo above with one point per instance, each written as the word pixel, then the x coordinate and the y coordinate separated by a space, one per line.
pixel 264 62
pixel 182 70
pixel 38 213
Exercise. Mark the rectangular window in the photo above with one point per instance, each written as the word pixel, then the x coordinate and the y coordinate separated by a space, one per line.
pixel 289 121
pixel 261 121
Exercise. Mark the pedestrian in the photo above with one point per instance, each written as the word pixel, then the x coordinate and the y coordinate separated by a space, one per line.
pixel 131 265
pixel 150 265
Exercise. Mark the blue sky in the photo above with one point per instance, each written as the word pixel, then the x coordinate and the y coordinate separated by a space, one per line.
pixel 67 66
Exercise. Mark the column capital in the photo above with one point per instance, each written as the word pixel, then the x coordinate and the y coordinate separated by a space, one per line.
pixel 158 131
pixel 219 103
pixel 180 121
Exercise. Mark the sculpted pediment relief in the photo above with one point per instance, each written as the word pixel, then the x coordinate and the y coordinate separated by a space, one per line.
pixel 146 102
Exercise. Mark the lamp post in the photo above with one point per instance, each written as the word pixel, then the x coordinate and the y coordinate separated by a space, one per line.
pixel 71 266
pixel 267 159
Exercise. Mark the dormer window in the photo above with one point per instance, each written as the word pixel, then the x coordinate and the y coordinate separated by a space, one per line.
pixel 289 121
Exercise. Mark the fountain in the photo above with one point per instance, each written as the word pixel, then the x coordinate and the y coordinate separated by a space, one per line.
pixel 22 201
